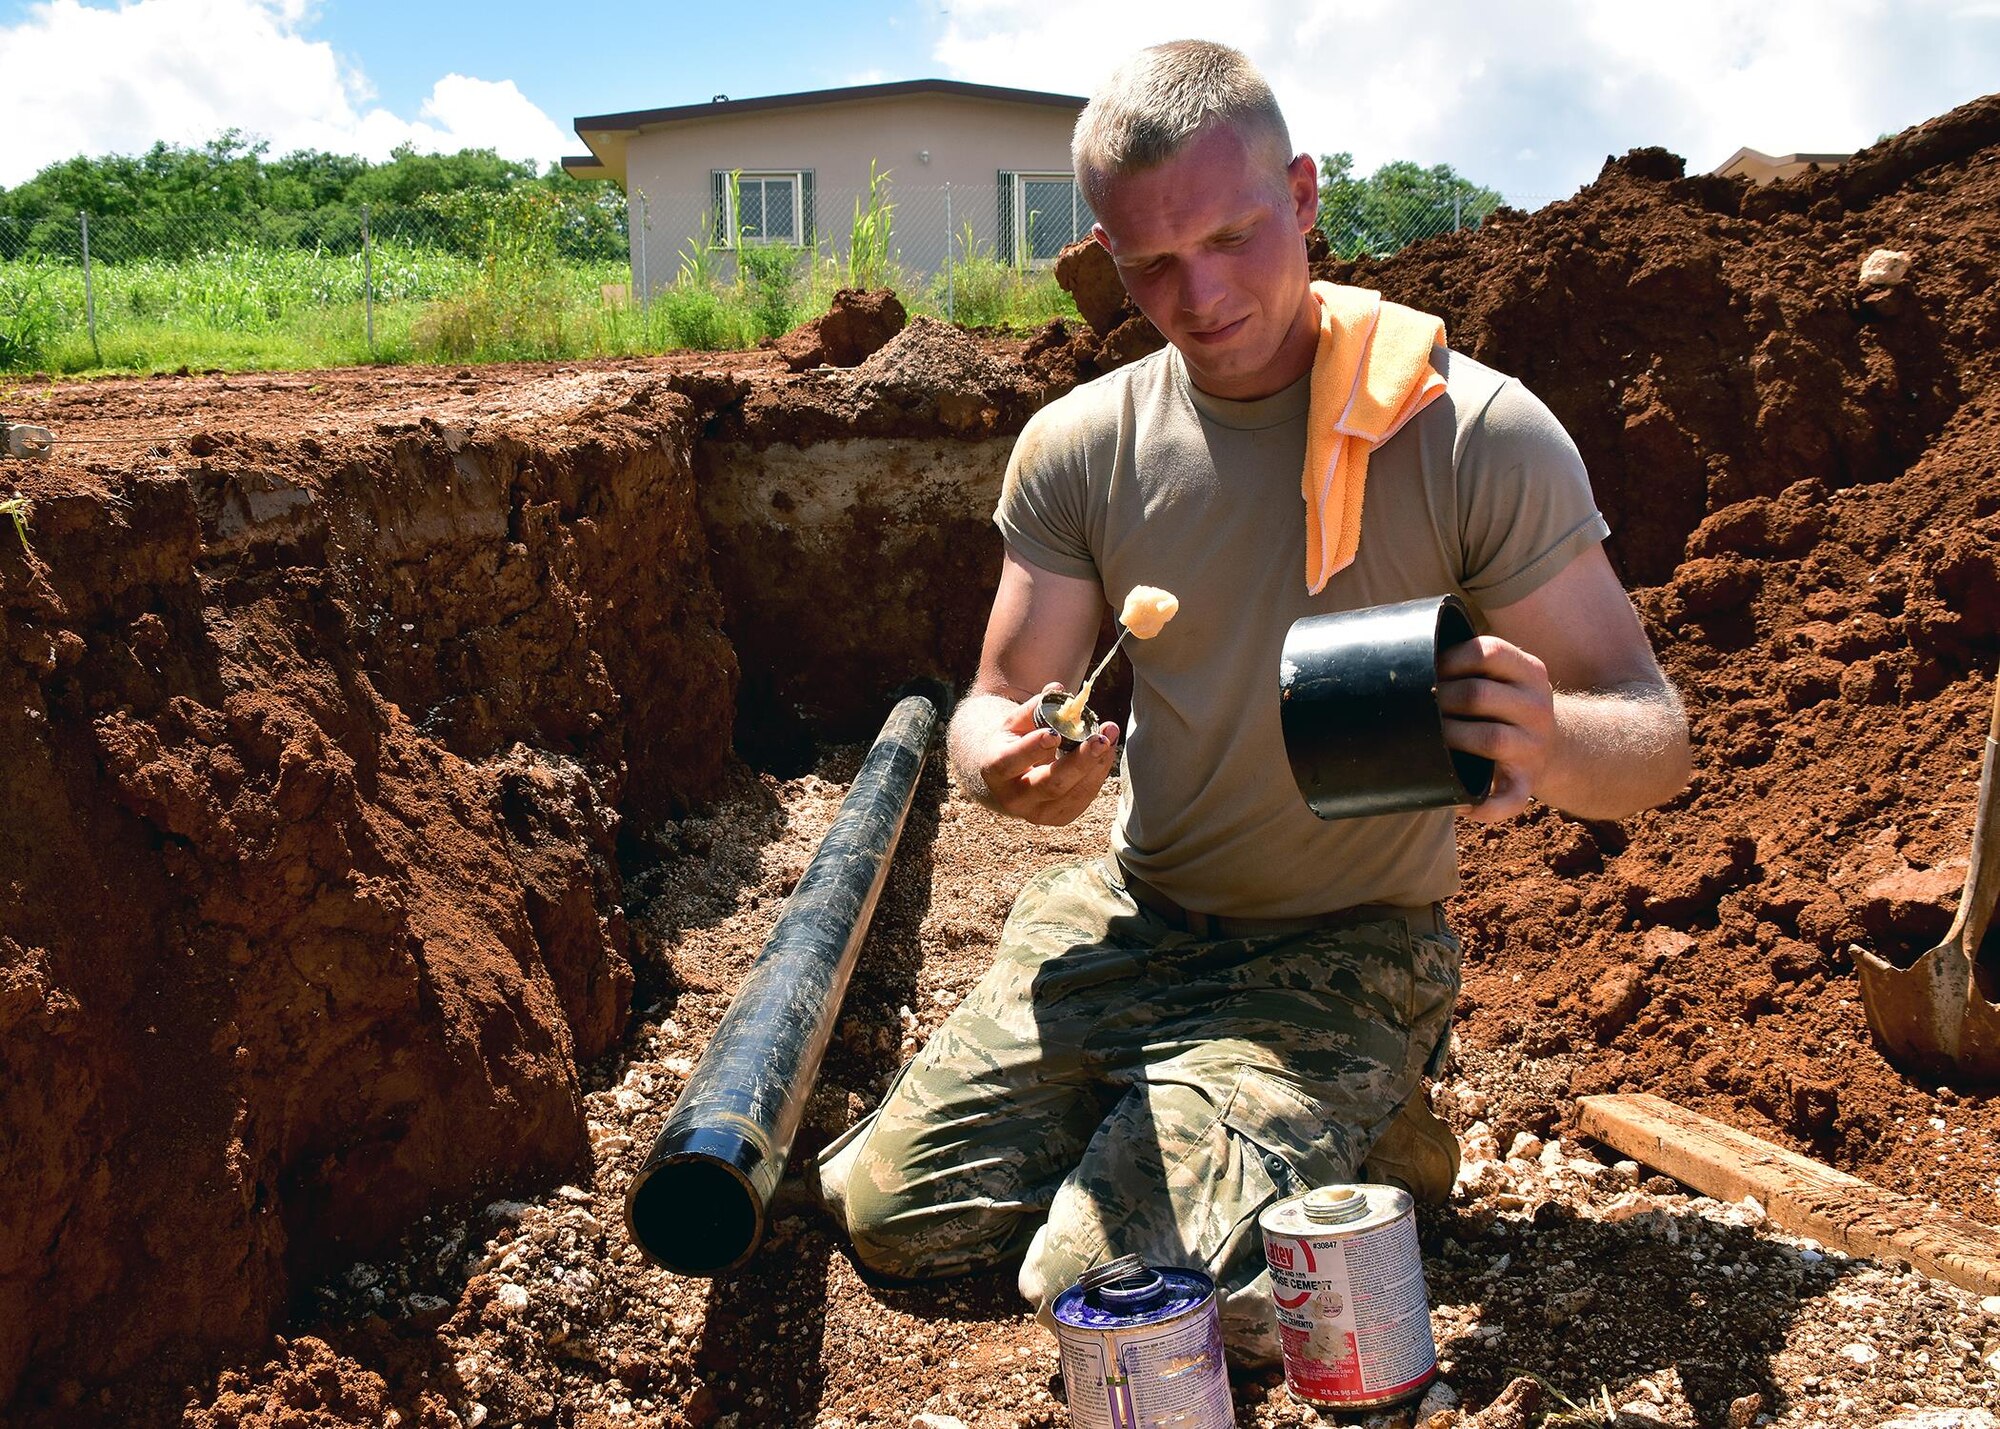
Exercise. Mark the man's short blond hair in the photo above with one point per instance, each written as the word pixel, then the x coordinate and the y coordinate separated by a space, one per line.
pixel 1155 104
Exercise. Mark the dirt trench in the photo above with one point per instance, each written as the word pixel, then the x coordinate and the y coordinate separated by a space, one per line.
pixel 349 715
pixel 322 729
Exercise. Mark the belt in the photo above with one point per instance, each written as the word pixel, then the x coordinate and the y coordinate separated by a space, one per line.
pixel 1422 918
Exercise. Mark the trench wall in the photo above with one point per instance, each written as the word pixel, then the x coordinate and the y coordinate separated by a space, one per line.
pixel 847 568
pixel 318 750
pixel 316 754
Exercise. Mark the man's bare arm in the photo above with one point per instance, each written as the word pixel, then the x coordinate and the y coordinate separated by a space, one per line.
pixel 1038 636
pixel 1566 697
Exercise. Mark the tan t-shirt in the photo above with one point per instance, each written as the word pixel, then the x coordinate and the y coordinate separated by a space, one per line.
pixel 1138 478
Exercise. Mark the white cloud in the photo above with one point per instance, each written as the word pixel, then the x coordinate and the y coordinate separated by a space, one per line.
pixel 82 79
pixel 466 113
pixel 1530 97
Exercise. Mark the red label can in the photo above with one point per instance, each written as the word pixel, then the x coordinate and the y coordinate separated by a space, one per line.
pixel 1354 1318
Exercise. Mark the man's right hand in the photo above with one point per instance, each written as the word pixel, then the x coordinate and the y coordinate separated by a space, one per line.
pixel 1039 633
pixel 1021 768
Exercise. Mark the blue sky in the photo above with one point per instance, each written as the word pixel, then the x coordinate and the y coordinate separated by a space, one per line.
pixel 1528 96
pixel 655 55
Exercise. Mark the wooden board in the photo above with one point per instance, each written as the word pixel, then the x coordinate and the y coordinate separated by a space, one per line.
pixel 1803 1196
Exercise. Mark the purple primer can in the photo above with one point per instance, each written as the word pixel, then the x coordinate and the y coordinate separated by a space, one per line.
pixel 1142 1349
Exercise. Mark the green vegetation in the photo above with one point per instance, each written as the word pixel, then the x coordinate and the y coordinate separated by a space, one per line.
pixel 221 257
pixel 868 261
pixel 231 307
pixel 520 298
pixel 770 277
pixel 1396 205
pixel 985 292
pixel 32 310
pixel 19 508
pixel 173 202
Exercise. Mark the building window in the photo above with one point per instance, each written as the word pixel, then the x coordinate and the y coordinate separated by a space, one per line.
pixel 1040 215
pixel 763 207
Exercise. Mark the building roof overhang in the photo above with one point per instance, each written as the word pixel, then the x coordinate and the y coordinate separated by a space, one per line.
pixel 606 135
pixel 1750 163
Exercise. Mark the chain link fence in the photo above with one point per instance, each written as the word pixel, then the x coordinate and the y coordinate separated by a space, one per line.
pixel 98 277
pixel 90 290
pixel 676 236
pixel 906 235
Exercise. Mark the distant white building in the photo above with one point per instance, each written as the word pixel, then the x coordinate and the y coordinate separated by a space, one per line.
pixel 1760 168
pixel 964 161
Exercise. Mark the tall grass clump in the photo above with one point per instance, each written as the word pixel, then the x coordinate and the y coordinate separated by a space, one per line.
pixel 690 315
pixel 984 292
pixel 698 264
pixel 18 509
pixel 703 310
pixel 523 300
pixel 33 310
pixel 768 274
pixel 869 260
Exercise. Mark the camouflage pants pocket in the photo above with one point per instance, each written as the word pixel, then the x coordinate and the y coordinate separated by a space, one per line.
pixel 1181 1170
pixel 1300 1142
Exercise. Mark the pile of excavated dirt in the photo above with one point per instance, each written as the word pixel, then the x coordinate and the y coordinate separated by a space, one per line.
pixel 369 745
pixel 1803 472
pixel 853 328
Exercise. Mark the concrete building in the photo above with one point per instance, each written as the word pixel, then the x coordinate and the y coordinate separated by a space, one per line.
pixel 1760 168
pixel 965 164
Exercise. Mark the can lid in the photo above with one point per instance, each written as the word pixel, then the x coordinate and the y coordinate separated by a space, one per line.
pixel 1124 1282
pixel 1333 1205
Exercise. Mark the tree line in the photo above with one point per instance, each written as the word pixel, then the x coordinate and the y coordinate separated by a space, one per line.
pixel 1396 205
pixel 175 200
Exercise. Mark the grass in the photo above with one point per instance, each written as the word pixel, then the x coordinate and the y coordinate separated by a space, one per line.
pixel 247 308
pixel 869 261
pixel 1593 1413
pixel 238 307
pixel 19 508
pixel 32 310
pixel 981 291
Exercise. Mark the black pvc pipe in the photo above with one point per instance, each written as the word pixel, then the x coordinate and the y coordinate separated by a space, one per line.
pixel 698 1205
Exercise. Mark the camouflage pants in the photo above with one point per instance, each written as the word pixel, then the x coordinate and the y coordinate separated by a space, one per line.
pixel 1114 1086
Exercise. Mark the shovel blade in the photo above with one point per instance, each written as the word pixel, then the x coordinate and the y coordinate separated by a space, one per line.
pixel 1979 1041
pixel 1934 1017
pixel 1918 1013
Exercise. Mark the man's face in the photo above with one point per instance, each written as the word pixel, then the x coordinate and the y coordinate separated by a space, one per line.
pixel 1209 245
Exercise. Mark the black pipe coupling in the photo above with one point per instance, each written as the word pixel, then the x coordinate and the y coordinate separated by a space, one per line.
pixel 1357 693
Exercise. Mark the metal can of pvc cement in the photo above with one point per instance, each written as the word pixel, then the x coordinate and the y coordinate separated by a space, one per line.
pixel 1354 1318
pixel 1046 709
pixel 1142 1347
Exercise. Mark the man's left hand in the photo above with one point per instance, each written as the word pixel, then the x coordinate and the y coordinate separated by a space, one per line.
pixel 1498 703
pixel 1565 698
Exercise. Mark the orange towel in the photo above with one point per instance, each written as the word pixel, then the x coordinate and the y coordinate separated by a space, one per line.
pixel 1372 373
